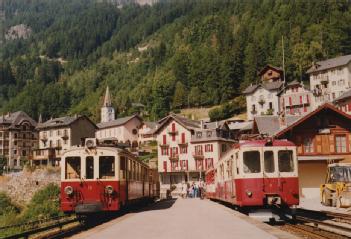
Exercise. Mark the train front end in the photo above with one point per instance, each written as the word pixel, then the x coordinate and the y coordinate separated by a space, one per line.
pixel 89 181
pixel 269 177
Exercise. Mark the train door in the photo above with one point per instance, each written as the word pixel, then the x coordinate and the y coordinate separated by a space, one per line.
pixel 269 172
pixel 123 179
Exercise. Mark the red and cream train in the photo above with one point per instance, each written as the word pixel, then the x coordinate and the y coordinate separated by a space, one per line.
pixel 98 178
pixel 256 175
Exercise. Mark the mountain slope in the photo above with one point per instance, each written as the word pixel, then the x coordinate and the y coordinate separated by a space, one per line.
pixel 172 54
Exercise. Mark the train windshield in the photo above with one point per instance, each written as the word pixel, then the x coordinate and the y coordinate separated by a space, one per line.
pixel 340 174
pixel 73 168
pixel 106 167
pixel 268 161
pixel 252 163
pixel 285 161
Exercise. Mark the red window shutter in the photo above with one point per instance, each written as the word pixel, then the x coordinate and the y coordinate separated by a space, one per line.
pixel 177 150
pixel 164 139
pixel 183 138
pixel 206 163
pixel 304 109
pixel 201 148
pixel 165 166
pixel 290 101
pixel 173 127
pixel 211 147
pixel 307 99
pixel 300 99
pixel 291 111
pixel 186 165
pixel 167 152
pixel 349 106
pixel 186 150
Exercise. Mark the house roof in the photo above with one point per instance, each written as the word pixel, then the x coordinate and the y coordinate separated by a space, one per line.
pixel 185 122
pixel 344 96
pixel 246 125
pixel 264 69
pixel 16 118
pixel 117 122
pixel 325 106
pixel 62 122
pixel 270 124
pixel 329 63
pixel 275 85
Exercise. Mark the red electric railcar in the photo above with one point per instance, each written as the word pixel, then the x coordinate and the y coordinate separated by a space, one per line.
pixel 257 176
pixel 98 179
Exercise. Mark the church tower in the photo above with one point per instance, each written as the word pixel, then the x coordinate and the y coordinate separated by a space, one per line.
pixel 107 111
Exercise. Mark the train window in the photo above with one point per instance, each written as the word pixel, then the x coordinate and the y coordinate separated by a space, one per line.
pixel 72 167
pixel 89 167
pixel 106 167
pixel 123 167
pixel 252 162
pixel 268 162
pixel 285 161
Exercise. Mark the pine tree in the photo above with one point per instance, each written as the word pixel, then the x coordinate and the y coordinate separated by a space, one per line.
pixel 180 96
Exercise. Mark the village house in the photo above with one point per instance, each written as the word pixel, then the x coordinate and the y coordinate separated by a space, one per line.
pixel 146 132
pixel 343 102
pixel 17 137
pixel 60 134
pixel 122 130
pixel 262 99
pixel 330 78
pixel 322 136
pixel 295 99
pixel 187 148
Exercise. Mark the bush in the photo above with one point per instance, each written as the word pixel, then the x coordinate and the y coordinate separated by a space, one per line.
pixel 44 204
pixel 3 163
pixel 228 109
pixel 6 206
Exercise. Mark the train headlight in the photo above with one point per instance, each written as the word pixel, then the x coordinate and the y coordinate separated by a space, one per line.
pixel 109 190
pixel 249 193
pixel 68 190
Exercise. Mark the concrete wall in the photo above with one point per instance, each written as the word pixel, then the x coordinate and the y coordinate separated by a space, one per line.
pixel 311 176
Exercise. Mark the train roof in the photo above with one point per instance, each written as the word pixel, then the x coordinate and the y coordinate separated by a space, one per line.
pixel 263 143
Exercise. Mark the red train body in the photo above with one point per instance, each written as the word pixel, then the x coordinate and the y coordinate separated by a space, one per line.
pixel 104 179
pixel 256 174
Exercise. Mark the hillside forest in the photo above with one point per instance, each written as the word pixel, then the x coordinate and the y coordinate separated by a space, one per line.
pixel 161 57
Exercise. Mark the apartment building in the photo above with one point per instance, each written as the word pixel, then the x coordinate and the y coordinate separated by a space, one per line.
pixel 343 102
pixel 60 134
pixel 17 137
pixel 187 148
pixel 329 79
pixel 261 98
pixel 295 99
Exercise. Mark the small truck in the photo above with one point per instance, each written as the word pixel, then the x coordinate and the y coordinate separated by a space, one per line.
pixel 336 191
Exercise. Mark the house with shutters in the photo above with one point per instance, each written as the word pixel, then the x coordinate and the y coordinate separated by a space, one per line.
pixel 343 102
pixel 322 136
pixel 295 99
pixel 187 148
pixel 261 98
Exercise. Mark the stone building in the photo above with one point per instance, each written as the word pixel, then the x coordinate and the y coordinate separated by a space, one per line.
pixel 187 148
pixel 17 137
pixel 261 98
pixel 330 78
pixel 343 102
pixel 59 134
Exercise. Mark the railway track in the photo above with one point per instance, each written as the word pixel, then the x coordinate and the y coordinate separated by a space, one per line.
pixel 46 228
pixel 320 224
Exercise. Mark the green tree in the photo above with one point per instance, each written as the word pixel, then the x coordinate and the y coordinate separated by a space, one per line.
pixel 180 96
pixel 195 96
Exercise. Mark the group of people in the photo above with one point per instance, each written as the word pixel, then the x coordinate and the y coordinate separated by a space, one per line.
pixel 194 190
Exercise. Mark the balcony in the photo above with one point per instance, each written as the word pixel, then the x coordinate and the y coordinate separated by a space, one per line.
pixel 44 139
pixel 65 136
pixel 198 155
pixel 172 132
pixel 253 112
pixel 162 145
pixel 174 157
pixel 182 144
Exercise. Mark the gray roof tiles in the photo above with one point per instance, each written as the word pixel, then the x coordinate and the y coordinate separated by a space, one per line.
pixel 58 122
pixel 329 63
pixel 116 122
pixel 344 96
pixel 270 125
pixel 275 85
pixel 16 118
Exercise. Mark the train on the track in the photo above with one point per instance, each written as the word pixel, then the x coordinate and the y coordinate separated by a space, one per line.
pixel 98 178
pixel 259 177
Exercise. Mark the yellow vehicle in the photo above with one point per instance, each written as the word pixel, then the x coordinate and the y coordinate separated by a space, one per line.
pixel 337 188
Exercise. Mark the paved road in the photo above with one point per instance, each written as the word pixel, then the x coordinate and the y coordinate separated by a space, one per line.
pixel 181 219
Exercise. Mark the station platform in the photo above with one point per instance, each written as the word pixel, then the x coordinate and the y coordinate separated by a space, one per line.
pixel 185 219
